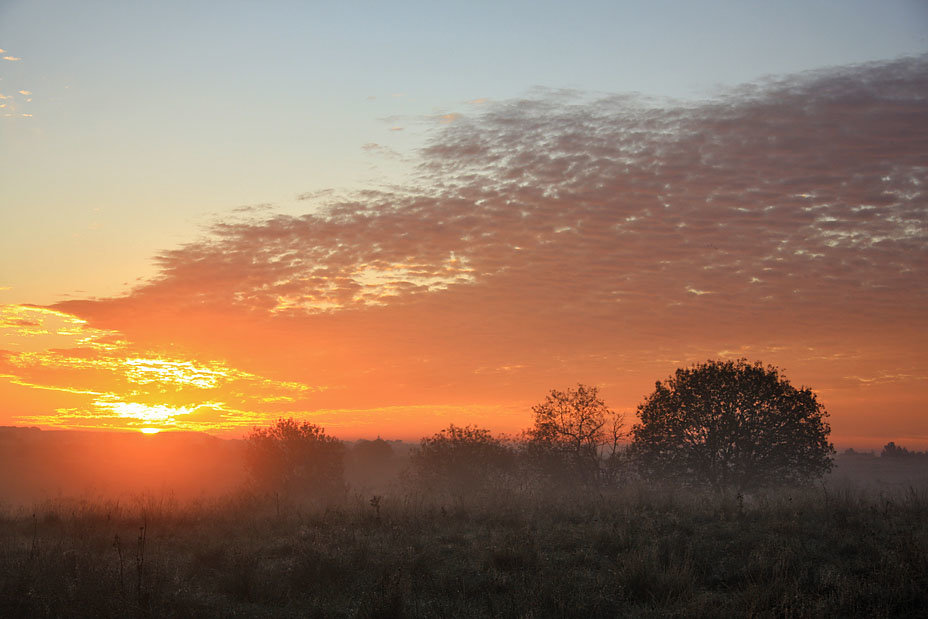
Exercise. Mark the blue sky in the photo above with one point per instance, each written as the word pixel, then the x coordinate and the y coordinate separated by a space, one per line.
pixel 145 120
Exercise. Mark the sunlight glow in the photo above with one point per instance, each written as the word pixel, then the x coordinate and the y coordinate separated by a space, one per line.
pixel 150 430
pixel 158 413
pixel 180 373
pixel 115 385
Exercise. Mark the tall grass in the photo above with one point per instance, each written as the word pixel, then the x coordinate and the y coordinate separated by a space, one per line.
pixel 638 551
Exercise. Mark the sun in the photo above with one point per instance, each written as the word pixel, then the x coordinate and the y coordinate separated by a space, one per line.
pixel 150 430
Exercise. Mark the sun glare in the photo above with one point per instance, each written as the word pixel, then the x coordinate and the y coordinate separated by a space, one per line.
pixel 150 430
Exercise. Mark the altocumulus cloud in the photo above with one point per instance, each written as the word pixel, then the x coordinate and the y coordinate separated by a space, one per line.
pixel 792 210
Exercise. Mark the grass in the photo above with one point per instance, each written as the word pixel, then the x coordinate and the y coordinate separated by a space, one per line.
pixel 638 551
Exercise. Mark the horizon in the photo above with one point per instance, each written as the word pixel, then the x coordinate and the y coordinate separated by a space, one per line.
pixel 382 221
pixel 840 448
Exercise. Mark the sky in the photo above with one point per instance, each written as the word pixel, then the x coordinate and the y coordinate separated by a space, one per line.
pixel 387 217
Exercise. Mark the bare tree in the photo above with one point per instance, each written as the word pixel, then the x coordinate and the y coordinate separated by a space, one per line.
pixel 575 435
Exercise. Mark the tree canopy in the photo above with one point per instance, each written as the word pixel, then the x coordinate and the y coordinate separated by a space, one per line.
pixel 732 423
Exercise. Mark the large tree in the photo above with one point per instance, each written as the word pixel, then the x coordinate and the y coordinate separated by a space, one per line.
pixel 732 423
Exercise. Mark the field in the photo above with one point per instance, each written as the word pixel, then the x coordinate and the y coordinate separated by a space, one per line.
pixel 839 549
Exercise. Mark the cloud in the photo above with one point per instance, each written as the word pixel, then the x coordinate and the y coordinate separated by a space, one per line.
pixel 25 328
pixel 811 187
pixel 380 149
pixel 8 104
pixel 596 234
pixel 12 58
pixel 253 208
pixel 315 195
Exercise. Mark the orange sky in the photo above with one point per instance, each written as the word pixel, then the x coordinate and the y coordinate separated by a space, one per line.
pixel 544 242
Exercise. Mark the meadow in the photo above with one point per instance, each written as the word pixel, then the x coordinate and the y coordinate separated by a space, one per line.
pixel 851 546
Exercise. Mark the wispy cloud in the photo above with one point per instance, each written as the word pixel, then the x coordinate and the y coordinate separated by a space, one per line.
pixel 8 103
pixel 380 149
pixel 30 329
pixel 812 187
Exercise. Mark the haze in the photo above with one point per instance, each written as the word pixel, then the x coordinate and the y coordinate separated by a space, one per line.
pixel 382 220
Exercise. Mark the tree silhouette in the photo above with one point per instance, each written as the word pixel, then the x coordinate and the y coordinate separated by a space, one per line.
pixel 296 459
pixel 371 465
pixel 727 423
pixel 575 435
pixel 376 453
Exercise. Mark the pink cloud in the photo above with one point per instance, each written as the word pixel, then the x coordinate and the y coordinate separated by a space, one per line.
pixel 569 238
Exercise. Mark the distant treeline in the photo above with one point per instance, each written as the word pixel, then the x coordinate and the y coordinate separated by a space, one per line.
pixel 890 450
pixel 36 465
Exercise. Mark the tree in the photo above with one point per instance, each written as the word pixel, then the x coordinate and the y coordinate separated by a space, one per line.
pixel 372 454
pixel 296 459
pixel 371 465
pixel 461 459
pixel 732 423
pixel 575 435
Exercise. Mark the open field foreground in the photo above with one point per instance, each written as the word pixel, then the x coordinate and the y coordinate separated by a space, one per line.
pixel 833 550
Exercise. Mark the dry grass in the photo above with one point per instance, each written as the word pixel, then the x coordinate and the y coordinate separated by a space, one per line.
pixel 639 551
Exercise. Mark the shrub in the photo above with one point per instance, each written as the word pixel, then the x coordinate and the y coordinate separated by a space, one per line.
pixel 461 459
pixel 296 459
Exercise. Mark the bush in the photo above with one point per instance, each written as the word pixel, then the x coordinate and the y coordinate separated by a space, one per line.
pixel 296 459
pixel 462 460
